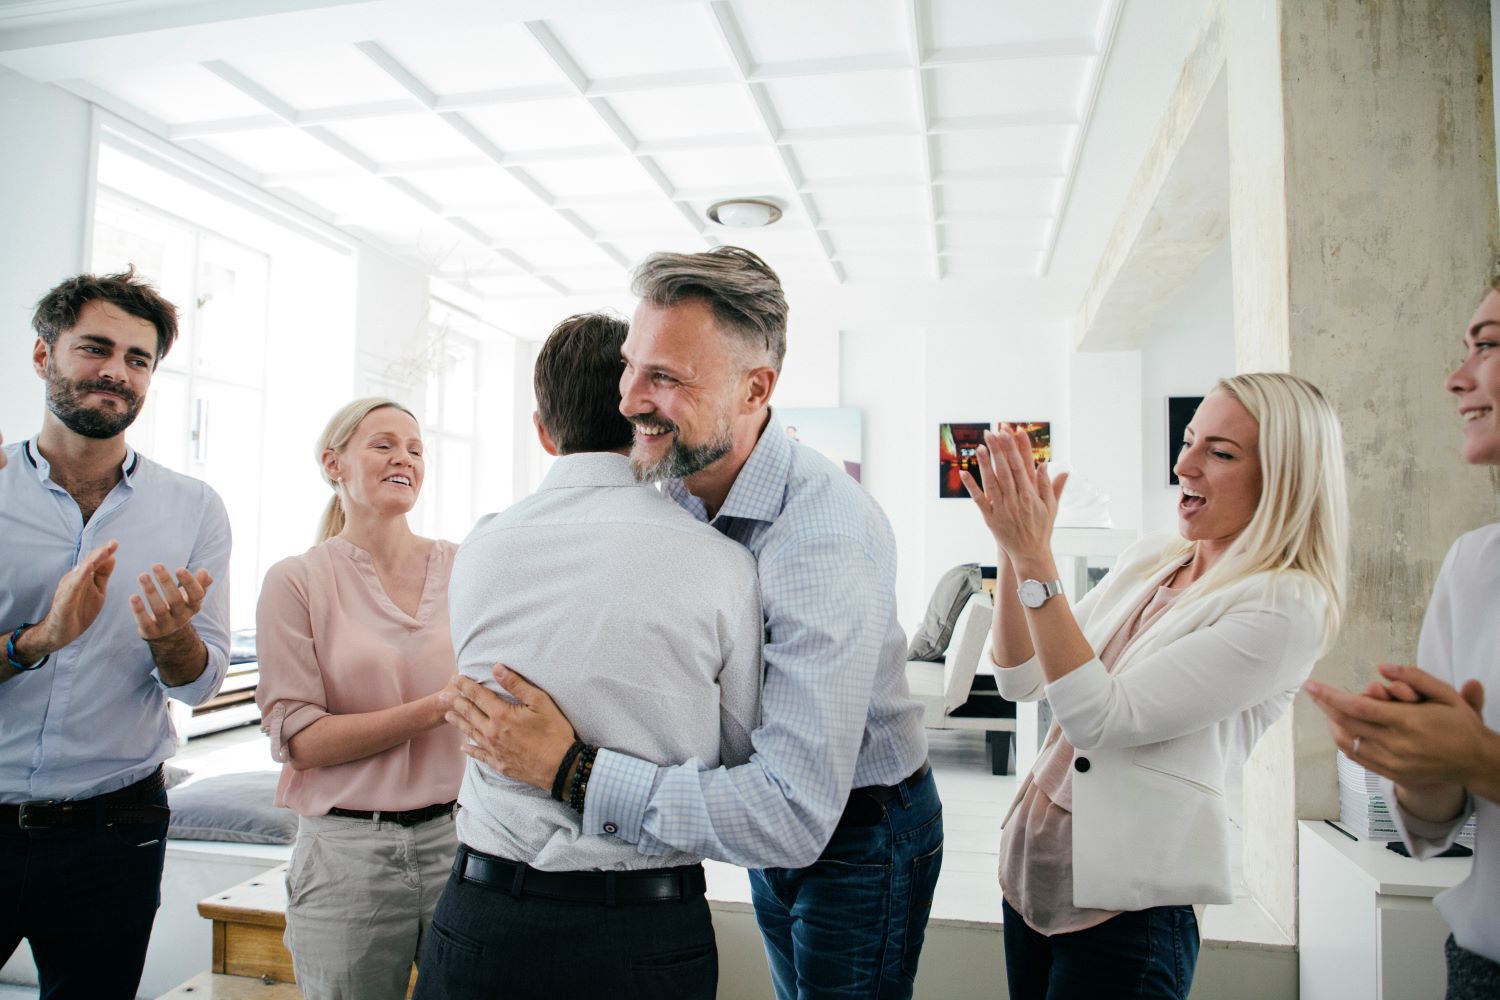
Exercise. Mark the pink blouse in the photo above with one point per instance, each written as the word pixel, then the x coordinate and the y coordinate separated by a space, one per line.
pixel 1036 846
pixel 331 642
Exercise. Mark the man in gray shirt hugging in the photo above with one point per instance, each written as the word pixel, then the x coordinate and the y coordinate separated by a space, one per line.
pixel 645 627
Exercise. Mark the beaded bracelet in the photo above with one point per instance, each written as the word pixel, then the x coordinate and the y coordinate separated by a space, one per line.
pixel 561 778
pixel 578 789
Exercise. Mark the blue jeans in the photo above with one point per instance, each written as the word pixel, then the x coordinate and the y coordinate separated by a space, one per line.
pixel 85 897
pixel 851 924
pixel 1140 953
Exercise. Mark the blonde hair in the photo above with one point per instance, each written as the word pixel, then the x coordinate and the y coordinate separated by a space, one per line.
pixel 335 438
pixel 1301 521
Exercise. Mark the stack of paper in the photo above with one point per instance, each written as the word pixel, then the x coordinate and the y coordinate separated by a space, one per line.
pixel 1363 810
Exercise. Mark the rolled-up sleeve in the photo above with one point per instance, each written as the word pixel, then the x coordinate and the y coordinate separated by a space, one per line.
pixel 211 553
pixel 290 691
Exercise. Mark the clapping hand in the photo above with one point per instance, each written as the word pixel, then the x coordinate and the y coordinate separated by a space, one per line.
pixel 1017 498
pixel 166 606
pixel 78 598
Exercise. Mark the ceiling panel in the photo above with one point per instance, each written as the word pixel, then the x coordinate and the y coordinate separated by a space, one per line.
pixel 277 151
pixel 1044 146
pixel 398 140
pixel 362 198
pixel 181 93
pixel 780 31
pixel 321 77
pixel 1053 85
pixel 886 204
pixel 844 99
pixel 893 236
pixel 609 43
pixel 474 187
pixel 483 58
pixel 735 172
pixel 991 234
pixel 649 217
pixel 536 125
pixel 990 198
pixel 518 227
pixel 980 265
pixel 581 178
pixel 961 23
pixel 687 112
pixel 511 286
pixel 886 267
pixel 837 159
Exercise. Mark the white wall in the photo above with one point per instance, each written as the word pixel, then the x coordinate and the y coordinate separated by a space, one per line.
pixel 1100 445
pixel 1188 347
pixel 46 176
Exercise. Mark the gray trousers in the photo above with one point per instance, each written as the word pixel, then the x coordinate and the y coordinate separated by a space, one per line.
pixel 360 898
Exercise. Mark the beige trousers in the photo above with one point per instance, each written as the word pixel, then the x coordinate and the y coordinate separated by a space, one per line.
pixel 360 896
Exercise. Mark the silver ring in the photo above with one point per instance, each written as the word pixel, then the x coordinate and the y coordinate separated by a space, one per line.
pixel 1354 748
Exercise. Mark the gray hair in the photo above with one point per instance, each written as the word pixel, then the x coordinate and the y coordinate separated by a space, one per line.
pixel 741 289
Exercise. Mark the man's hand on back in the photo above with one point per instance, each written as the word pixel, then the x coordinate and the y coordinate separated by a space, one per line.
pixel 524 740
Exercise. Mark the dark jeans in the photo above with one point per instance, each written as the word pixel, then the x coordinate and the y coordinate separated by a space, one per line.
pixel 852 924
pixel 1470 976
pixel 1140 953
pixel 487 943
pixel 85 897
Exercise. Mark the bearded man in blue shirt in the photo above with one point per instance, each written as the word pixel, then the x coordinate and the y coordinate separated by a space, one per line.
pixel 87 666
pixel 836 814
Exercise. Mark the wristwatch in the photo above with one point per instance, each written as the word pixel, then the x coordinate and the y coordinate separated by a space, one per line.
pixel 10 651
pixel 1035 593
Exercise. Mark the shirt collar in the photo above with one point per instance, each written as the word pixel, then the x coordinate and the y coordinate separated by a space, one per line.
pixel 759 491
pixel 589 468
pixel 32 455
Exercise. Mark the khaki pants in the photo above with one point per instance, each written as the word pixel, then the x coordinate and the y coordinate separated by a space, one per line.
pixel 360 897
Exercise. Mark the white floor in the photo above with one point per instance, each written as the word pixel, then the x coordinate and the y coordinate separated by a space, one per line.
pixel 974 802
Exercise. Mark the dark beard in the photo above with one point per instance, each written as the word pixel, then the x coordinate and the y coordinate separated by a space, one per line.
pixel 65 400
pixel 681 460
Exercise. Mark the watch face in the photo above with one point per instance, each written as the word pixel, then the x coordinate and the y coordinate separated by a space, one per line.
pixel 1033 593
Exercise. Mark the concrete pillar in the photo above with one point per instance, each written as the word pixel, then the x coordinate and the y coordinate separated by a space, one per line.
pixel 1363 228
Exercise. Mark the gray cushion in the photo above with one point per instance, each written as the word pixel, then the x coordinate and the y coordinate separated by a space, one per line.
pixel 233 807
pixel 953 591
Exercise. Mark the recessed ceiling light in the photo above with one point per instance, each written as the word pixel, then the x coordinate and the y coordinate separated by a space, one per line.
pixel 744 213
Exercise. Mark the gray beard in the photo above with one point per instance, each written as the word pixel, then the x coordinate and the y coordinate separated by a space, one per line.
pixel 683 460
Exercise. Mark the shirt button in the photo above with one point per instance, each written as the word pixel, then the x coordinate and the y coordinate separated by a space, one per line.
pixel 1081 764
pixel 611 828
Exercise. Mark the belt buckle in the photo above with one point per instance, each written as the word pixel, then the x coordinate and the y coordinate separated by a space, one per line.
pixel 26 807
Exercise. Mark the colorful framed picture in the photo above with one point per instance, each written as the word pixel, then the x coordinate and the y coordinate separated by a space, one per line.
pixel 957 445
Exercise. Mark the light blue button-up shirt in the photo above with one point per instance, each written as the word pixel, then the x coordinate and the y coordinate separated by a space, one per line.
pixel 835 710
pixel 93 718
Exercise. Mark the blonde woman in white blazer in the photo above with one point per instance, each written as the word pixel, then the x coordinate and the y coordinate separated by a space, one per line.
pixel 1160 681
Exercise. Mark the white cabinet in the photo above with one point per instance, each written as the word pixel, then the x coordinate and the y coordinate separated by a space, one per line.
pixel 1367 925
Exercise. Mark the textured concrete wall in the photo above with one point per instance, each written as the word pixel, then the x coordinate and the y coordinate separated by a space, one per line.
pixel 1358 258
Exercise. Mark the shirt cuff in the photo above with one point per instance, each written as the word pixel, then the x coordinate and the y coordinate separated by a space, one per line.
pixel 196 692
pixel 1022 682
pixel 619 788
pixel 1425 838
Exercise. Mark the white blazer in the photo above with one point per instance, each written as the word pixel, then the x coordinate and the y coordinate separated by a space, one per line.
pixel 1154 739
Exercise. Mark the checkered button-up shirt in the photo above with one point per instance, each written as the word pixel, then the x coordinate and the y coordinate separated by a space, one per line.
pixel 835 711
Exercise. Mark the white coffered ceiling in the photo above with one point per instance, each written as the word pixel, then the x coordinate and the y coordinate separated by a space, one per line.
pixel 524 149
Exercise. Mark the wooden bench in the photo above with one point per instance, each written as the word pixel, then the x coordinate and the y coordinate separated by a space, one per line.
pixel 249 959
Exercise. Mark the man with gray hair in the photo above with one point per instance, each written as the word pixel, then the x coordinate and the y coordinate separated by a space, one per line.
pixel 836 813
pixel 647 627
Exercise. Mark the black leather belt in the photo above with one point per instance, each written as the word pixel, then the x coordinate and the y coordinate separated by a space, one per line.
pixel 866 805
pixel 653 885
pixel 407 817
pixel 127 805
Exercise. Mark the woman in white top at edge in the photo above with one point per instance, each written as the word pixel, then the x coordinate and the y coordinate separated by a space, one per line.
pixel 1160 681
pixel 1429 731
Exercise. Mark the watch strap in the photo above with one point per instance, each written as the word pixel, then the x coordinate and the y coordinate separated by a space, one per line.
pixel 10 651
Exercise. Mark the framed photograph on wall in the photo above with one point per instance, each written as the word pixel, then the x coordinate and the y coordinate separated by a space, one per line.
pixel 957 445
pixel 1040 432
pixel 1180 410
pixel 835 431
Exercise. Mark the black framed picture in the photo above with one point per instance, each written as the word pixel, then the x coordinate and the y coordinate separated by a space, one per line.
pixel 1180 410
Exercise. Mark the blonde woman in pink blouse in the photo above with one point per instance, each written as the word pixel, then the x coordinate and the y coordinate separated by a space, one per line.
pixel 354 647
